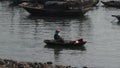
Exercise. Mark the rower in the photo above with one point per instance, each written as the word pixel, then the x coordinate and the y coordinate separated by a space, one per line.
pixel 57 36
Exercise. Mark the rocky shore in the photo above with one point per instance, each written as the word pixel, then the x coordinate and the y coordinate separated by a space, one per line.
pixel 7 63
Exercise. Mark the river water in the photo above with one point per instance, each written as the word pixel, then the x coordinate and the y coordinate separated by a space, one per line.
pixel 22 35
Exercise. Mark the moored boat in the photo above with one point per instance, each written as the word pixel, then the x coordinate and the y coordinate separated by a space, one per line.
pixel 112 3
pixel 66 43
pixel 56 8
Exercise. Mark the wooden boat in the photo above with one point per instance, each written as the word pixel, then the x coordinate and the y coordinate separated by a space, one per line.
pixel 66 43
pixel 112 3
pixel 56 8
pixel 82 48
pixel 117 16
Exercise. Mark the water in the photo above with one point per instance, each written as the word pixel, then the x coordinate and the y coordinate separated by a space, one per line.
pixel 22 35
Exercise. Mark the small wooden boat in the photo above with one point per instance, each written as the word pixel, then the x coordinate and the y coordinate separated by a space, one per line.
pixel 112 3
pixel 66 43
pixel 56 8
pixel 82 48
pixel 117 16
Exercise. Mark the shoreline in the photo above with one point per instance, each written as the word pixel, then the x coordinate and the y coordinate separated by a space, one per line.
pixel 9 63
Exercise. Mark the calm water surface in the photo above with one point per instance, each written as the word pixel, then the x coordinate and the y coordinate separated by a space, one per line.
pixel 22 35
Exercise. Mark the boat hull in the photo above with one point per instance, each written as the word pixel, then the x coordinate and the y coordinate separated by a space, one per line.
pixel 34 11
pixel 82 48
pixel 65 44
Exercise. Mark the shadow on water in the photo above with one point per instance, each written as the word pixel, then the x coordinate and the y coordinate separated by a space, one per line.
pixel 116 23
pixel 57 50
pixel 57 18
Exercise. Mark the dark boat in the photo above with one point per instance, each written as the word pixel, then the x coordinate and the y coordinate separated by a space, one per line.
pixel 112 3
pixel 66 43
pixel 117 16
pixel 82 48
pixel 56 8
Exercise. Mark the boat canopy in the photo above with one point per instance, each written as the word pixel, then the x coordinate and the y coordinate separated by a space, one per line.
pixel 63 3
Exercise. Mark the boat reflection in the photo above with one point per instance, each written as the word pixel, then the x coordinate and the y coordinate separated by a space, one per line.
pixel 57 18
pixel 115 22
pixel 57 51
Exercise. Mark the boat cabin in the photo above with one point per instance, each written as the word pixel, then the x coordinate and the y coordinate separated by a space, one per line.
pixel 63 5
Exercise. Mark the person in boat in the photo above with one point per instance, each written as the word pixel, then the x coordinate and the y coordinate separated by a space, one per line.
pixel 57 36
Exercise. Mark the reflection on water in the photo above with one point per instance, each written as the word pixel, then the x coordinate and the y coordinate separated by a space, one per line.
pixel 22 35
pixel 69 26
pixel 58 49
